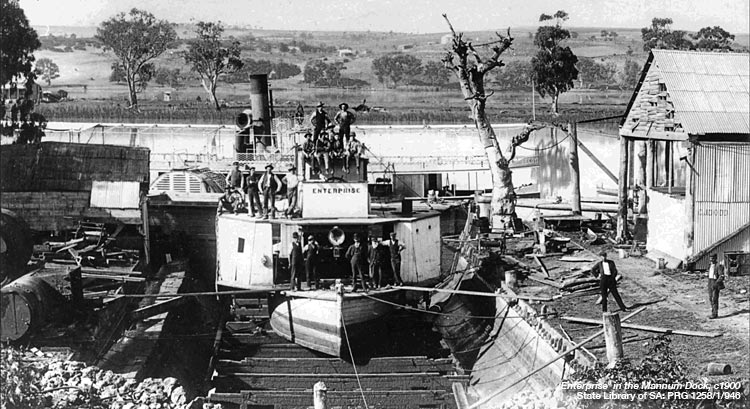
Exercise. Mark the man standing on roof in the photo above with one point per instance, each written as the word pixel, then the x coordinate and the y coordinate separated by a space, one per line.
pixel 295 263
pixel 354 149
pixel 357 255
pixel 270 184
pixel 319 120
pixel 344 119
pixel 607 273
pixel 234 178
pixel 395 248
pixel 251 189
pixel 292 182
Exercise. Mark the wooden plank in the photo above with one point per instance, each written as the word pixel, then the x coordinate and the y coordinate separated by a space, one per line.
pixel 326 365
pixel 596 160
pixel 648 328
pixel 379 381
pixel 157 308
pixel 541 264
pixel 407 399
pixel 545 281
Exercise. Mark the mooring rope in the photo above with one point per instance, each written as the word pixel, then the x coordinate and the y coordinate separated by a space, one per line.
pixel 354 365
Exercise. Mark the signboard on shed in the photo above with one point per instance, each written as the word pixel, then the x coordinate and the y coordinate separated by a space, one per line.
pixel 329 200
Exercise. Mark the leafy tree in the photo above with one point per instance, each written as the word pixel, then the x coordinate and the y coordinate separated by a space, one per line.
pixel 284 70
pixel 167 76
pixel 630 74
pixel 318 72
pixel 660 35
pixel 18 43
pixel 136 38
pixel 396 67
pixel 595 72
pixel 210 58
pixel 713 38
pixel 515 75
pixel 554 66
pixel 435 73
pixel 47 70
pixel 140 79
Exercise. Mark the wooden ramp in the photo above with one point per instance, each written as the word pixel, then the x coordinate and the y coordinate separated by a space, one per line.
pixel 255 368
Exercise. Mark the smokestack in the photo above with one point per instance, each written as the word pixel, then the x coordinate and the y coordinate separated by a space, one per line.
pixel 259 100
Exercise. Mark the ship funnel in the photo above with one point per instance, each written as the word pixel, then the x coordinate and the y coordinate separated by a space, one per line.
pixel 259 101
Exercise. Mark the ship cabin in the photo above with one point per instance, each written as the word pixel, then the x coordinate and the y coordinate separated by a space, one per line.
pixel 253 253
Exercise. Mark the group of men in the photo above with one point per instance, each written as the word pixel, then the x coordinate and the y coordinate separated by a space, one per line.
pixel 249 184
pixel 362 258
pixel 321 146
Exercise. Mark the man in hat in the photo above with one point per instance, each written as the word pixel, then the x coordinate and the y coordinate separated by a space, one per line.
pixel 308 149
pixel 234 178
pixel 292 182
pixel 378 257
pixel 319 120
pixel 322 149
pixel 344 119
pixel 231 202
pixel 357 255
pixel 395 248
pixel 355 149
pixel 270 184
pixel 251 190
pixel 715 284
pixel 295 263
pixel 312 257
pixel 607 273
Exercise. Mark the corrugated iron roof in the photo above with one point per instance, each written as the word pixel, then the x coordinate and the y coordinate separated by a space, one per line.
pixel 710 91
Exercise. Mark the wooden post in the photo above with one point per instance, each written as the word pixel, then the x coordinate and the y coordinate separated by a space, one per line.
pixel 622 196
pixel 574 173
pixel 649 164
pixel 613 338
pixel 146 232
pixel 689 201
pixel 511 279
pixel 320 400
pixel 640 176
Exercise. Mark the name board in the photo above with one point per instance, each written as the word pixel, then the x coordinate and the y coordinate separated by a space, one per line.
pixel 524 162
pixel 329 200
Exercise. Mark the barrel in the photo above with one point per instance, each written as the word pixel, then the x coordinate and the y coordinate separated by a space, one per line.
pixel 25 305
pixel 15 246
pixel 719 369
pixel 484 204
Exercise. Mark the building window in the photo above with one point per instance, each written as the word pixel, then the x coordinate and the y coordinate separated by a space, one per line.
pixel 240 245
pixel 662 87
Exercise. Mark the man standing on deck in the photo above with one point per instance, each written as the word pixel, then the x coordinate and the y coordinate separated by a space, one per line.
pixel 319 120
pixel 270 185
pixel 376 265
pixel 295 263
pixel 607 273
pixel 291 181
pixel 251 189
pixel 312 255
pixel 395 248
pixel 357 255
pixel 234 178
pixel 344 119
pixel 715 284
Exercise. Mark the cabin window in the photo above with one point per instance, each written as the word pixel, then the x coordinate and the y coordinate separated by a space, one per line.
pixel 240 245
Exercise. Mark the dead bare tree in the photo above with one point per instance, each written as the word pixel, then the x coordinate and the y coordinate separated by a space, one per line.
pixel 470 68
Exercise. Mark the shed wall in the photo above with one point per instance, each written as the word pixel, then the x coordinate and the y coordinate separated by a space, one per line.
pixel 666 226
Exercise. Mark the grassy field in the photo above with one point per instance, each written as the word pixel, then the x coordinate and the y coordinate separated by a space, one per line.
pixel 85 75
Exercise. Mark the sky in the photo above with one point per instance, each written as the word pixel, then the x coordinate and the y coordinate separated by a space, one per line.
pixel 412 16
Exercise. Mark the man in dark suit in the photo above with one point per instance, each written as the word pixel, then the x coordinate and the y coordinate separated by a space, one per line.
pixel 715 274
pixel 295 263
pixel 357 255
pixel 607 273
pixel 312 258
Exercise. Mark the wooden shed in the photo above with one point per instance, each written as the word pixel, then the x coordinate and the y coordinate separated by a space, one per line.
pixel 686 142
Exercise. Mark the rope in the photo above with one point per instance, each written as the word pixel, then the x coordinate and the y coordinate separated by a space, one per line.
pixel 546 147
pixel 443 314
pixel 354 365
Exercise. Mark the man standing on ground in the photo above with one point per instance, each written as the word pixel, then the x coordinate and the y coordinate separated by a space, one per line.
pixel 607 273
pixel 357 255
pixel 270 185
pixel 291 181
pixel 319 120
pixel 312 254
pixel 395 249
pixel 295 263
pixel 344 119
pixel 715 284
pixel 251 189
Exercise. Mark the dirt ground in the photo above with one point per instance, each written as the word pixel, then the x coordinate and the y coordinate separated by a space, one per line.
pixel 673 299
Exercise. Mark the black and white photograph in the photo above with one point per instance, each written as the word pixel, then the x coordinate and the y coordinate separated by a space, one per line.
pixel 359 204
